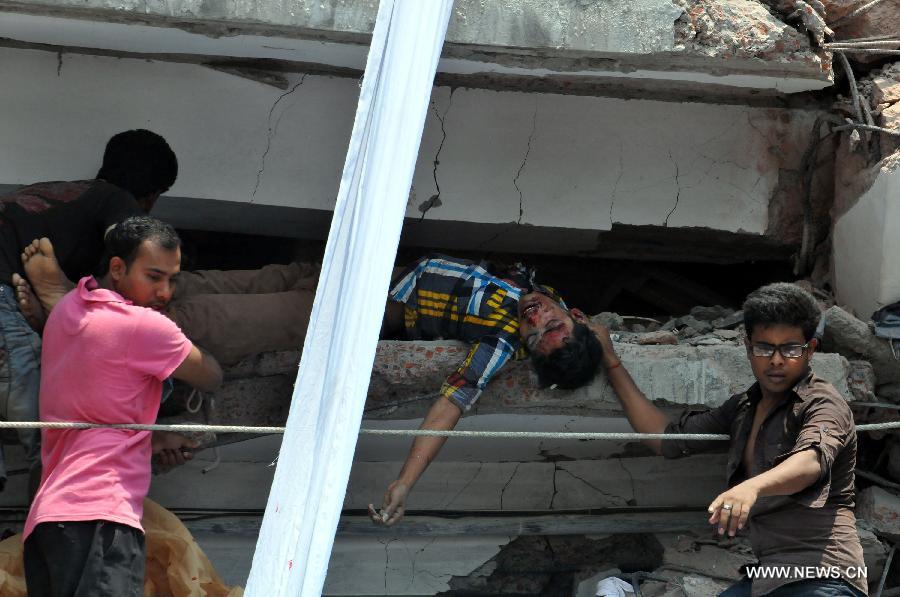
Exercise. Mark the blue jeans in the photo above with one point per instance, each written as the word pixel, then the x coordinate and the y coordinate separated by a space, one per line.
pixel 20 375
pixel 803 588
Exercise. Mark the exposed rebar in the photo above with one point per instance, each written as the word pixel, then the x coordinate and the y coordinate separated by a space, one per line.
pixel 855 13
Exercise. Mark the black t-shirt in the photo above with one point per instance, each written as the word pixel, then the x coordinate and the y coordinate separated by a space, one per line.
pixel 73 215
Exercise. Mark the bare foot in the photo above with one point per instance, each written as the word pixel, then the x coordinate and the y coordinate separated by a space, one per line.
pixel 47 278
pixel 28 303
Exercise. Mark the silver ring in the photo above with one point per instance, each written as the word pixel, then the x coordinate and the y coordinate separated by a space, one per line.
pixel 726 506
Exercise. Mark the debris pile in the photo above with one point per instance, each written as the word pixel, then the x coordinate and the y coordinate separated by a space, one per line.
pixel 661 565
pixel 703 326
pixel 879 93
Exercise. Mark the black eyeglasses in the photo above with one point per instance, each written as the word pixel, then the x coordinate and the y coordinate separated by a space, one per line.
pixel 788 351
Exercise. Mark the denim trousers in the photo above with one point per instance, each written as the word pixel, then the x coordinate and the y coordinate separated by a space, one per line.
pixel 20 375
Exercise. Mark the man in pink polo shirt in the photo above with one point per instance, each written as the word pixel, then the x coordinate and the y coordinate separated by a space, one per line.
pixel 107 349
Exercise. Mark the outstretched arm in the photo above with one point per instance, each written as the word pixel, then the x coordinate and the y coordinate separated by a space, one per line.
pixel 643 415
pixel 443 415
pixel 731 509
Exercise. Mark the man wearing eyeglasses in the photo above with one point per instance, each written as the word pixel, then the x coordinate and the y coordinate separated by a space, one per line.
pixel 792 453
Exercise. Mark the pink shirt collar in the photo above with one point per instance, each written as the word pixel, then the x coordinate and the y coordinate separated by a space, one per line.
pixel 89 291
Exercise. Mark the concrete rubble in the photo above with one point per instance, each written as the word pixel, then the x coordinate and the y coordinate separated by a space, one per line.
pixel 880 90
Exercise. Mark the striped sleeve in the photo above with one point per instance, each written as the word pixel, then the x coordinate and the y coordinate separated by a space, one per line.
pixel 484 360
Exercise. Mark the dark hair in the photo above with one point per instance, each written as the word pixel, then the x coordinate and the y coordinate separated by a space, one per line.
pixel 139 161
pixel 781 304
pixel 574 364
pixel 125 238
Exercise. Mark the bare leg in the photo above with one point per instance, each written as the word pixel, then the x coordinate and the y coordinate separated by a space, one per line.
pixel 47 279
pixel 28 303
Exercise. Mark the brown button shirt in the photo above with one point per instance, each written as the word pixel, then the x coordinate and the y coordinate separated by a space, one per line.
pixel 815 527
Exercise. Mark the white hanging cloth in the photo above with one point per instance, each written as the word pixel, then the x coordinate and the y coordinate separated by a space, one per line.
pixel 307 494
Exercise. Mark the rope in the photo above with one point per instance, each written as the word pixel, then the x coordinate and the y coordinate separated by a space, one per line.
pixel 401 432
pixel 189 405
pixel 180 428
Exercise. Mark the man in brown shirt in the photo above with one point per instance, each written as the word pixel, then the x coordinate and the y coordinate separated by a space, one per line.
pixel 791 459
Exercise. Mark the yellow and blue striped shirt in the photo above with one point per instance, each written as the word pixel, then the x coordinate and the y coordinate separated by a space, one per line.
pixel 452 298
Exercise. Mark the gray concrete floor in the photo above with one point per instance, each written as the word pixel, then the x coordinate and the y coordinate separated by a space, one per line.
pixel 230 553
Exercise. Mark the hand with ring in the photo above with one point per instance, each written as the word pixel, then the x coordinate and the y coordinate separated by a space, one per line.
pixel 731 509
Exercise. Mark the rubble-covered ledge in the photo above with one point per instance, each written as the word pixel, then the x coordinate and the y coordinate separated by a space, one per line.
pixel 677 375
pixel 407 375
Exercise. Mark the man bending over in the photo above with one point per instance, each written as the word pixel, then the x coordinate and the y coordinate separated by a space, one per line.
pixel 106 351
pixel 792 452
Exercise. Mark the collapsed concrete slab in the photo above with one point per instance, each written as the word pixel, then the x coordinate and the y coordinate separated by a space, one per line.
pixel 407 375
pixel 739 43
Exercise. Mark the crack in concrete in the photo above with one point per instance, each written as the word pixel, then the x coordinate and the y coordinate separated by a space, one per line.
pixel 490 241
pixel 555 489
pixel 716 162
pixel 522 165
pixel 466 486
pixel 716 136
pixel 387 559
pixel 611 496
pixel 678 192
pixel 756 128
pixel 630 477
pixel 59 60
pixel 413 556
pixel 271 130
pixel 552 552
pixel 612 202
pixel 435 200
pixel 508 481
